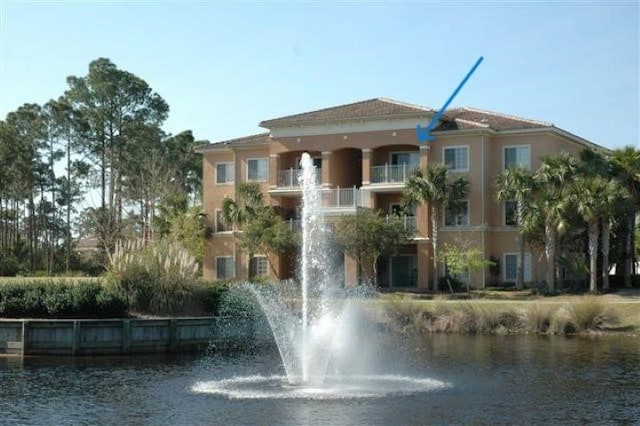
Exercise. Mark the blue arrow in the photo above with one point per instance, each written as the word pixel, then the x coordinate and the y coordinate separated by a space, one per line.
pixel 423 134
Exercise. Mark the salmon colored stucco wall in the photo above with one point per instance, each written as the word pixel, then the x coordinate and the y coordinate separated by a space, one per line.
pixel 346 162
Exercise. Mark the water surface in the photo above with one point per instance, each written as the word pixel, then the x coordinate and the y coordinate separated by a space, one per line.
pixel 491 380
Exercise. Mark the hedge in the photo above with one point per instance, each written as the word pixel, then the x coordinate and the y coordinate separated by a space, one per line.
pixel 49 299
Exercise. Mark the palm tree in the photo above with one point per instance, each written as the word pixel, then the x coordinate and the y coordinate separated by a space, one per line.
pixel 516 184
pixel 248 201
pixel 593 196
pixel 555 172
pixel 599 163
pixel 626 167
pixel 434 188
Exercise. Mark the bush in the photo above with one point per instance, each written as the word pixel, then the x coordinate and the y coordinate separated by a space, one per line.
pixel 46 299
pixel 154 278
pixel 9 266
pixel 207 297
pixel 537 318
pixel 590 313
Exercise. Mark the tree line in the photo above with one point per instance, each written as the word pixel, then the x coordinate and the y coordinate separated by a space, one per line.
pixel 581 213
pixel 102 136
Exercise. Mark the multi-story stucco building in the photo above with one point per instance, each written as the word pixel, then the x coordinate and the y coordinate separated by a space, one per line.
pixel 366 151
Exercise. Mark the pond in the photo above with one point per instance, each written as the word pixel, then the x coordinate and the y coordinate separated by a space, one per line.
pixel 467 379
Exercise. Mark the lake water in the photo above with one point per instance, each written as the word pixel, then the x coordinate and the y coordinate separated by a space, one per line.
pixel 483 380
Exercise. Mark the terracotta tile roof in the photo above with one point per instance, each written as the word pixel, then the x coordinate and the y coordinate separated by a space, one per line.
pixel 257 139
pixel 377 107
pixel 493 120
pixel 453 119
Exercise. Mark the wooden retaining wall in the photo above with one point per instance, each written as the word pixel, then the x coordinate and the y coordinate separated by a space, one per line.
pixel 106 336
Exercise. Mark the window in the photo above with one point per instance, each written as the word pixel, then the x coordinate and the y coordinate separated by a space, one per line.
pixel 457 213
pixel 510 213
pixel 456 158
pixel 224 268
pixel 511 267
pixel 409 158
pixel 220 225
pixel 406 214
pixel 517 156
pixel 225 173
pixel 258 266
pixel 317 162
pixel 258 170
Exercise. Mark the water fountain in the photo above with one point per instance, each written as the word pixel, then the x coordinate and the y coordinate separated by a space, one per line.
pixel 324 345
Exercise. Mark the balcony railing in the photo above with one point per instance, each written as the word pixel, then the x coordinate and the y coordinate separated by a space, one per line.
pixel 289 178
pixel 392 174
pixel 409 223
pixel 344 197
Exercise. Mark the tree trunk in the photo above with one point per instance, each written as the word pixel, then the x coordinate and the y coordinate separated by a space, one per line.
pixel 67 254
pixel 374 279
pixel 606 232
pixel 520 277
pixel 629 252
pixel 593 256
pixel 550 254
pixel 434 244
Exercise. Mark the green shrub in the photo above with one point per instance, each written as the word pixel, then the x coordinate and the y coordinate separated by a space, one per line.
pixel 239 302
pixel 156 277
pixel 48 299
pixel 9 266
pixel 207 297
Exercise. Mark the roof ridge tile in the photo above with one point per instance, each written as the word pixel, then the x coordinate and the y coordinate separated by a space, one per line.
pixel 509 116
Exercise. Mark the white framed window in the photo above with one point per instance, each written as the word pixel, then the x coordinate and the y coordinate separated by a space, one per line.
pixel 220 225
pixel 518 155
pixel 510 213
pixel 225 173
pixel 457 213
pixel 456 158
pixel 225 267
pixel 258 169
pixel 258 266
pixel 511 267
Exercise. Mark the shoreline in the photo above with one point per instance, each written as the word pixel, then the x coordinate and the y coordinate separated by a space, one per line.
pixel 557 315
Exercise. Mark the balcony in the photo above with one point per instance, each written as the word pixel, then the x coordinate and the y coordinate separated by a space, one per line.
pixel 289 178
pixel 389 174
pixel 342 197
pixel 340 201
pixel 409 223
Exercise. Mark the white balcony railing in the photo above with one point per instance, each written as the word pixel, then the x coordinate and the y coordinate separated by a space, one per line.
pixel 344 197
pixel 409 223
pixel 392 174
pixel 289 178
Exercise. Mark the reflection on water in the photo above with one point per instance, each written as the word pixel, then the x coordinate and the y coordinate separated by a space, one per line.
pixel 492 379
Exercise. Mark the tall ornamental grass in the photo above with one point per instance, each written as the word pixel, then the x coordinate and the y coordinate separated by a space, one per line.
pixel 584 315
pixel 153 277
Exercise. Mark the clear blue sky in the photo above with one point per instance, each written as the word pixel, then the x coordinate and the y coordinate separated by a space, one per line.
pixel 223 67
